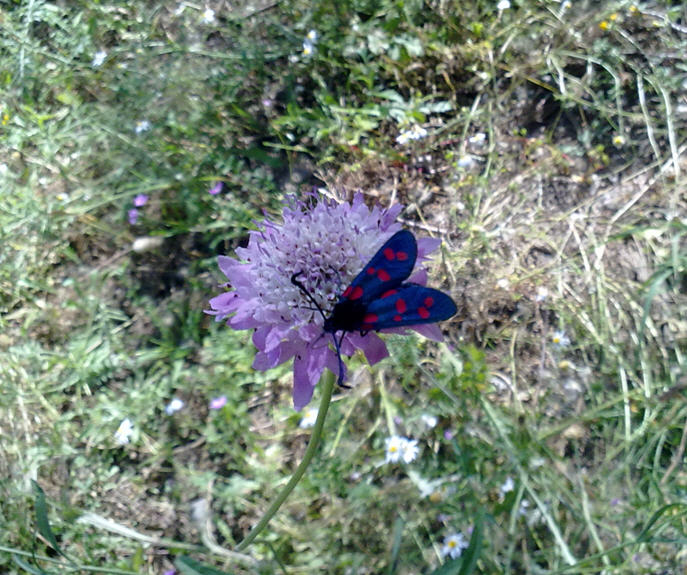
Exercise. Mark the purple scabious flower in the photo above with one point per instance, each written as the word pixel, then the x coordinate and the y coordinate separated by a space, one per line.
pixel 218 402
pixel 216 189
pixel 140 200
pixel 328 243
pixel 133 216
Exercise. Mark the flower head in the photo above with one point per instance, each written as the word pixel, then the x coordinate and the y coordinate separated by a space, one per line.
pixel 503 5
pixel 309 418
pixel 208 16
pixel 124 432
pixel 559 339
pixel 429 420
pixel 327 244
pixel 401 448
pixel 142 126
pixel 409 450
pixel 506 487
pixel 133 216
pixel 394 448
pixel 98 58
pixel 454 545
pixel 415 132
pixel 218 402
pixel 309 43
pixel 173 406
pixel 140 200
pixel 216 189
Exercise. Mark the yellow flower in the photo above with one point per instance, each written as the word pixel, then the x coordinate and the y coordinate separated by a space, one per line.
pixel 613 17
pixel 603 25
pixel 5 119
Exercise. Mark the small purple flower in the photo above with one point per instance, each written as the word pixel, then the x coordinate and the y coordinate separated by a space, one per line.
pixel 328 243
pixel 140 200
pixel 133 216
pixel 218 402
pixel 448 434
pixel 216 189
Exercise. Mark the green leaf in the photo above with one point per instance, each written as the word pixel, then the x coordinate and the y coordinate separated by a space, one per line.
pixel 474 550
pixel 643 536
pixel 41 510
pixel 26 567
pixel 188 566
pixel 396 545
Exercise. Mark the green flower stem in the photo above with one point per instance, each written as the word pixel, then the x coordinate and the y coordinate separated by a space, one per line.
pixel 327 389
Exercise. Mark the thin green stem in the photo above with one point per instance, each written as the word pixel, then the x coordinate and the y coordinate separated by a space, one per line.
pixel 327 389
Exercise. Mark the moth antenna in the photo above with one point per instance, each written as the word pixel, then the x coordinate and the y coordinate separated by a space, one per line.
pixel 295 281
pixel 337 343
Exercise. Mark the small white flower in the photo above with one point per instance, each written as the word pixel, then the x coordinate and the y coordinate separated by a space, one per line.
pixel 542 294
pixel 507 486
pixel 124 432
pixel 428 488
pixel 173 406
pixel 208 16
pixel 409 450
pixel 503 5
pixel 309 418
pixel 429 420
pixel 454 545
pixel 618 141
pixel 394 448
pixel 503 283
pixel 415 132
pixel 142 126
pixel 559 339
pixel 532 516
pixel 98 58
pixel 478 139
pixel 308 48
pixel 466 162
pixel 401 448
pixel 312 36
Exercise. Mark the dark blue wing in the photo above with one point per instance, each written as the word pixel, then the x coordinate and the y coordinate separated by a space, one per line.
pixel 407 304
pixel 387 269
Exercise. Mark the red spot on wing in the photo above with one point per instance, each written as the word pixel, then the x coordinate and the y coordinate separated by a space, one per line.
pixel 371 271
pixel 401 306
pixel 402 256
pixel 389 254
pixel 356 293
pixel 398 318
pixel 370 318
pixel 388 293
pixel 347 292
pixel 429 301
pixel 383 275
pixel 423 312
